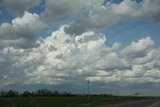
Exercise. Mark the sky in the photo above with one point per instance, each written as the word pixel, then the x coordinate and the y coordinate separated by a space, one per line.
pixel 62 44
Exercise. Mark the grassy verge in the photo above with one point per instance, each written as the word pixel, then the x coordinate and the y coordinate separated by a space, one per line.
pixel 63 101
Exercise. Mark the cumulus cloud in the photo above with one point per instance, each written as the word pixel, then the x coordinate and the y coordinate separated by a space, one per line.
pixel 62 58
pixel 111 62
pixel 58 10
pixel 144 60
pixel 132 9
pixel 6 68
pixel 22 32
pixel 4 81
pixel 106 15
pixel 138 49
pixel 19 6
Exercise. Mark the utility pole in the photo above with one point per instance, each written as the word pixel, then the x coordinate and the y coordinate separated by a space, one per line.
pixel 117 91
pixel 88 88
pixel 83 91
pixel 131 91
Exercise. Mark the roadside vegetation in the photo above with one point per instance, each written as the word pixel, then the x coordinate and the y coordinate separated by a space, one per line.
pixel 47 98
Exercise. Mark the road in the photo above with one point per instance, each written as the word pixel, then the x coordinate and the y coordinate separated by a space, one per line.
pixel 142 103
pixel 156 104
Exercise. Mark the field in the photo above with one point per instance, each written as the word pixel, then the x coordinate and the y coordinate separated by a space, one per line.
pixel 63 101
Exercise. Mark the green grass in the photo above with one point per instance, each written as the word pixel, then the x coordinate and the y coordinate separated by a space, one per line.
pixel 62 101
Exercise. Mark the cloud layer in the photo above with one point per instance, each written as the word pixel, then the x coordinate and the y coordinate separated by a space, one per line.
pixel 61 10
pixel 76 52
pixel 61 58
pixel 85 15
pixel 106 15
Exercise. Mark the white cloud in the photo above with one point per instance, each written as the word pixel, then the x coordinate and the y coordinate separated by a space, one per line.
pixel 4 81
pixel 138 49
pixel 111 61
pixel 63 58
pixel 103 16
pixel 19 6
pixel 59 10
pixel 132 9
pixel 66 58
pixel 22 32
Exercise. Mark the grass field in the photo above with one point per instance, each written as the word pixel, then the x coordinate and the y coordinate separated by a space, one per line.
pixel 63 101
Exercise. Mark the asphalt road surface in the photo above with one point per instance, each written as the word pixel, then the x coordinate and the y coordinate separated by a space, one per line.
pixel 141 103
pixel 156 104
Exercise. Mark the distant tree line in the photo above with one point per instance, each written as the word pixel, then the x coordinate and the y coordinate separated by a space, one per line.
pixel 10 93
pixel 42 93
